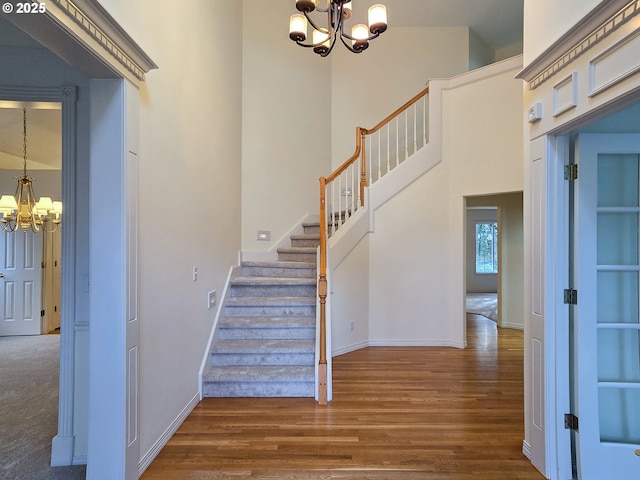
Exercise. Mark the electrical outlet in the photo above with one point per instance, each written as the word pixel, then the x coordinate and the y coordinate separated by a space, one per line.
pixel 211 299
pixel 353 326
pixel 195 273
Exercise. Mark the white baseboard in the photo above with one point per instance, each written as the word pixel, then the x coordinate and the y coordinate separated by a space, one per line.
pixel 416 343
pixel 62 451
pixel 396 343
pixel 153 452
pixel 526 449
pixel 513 326
pixel 349 348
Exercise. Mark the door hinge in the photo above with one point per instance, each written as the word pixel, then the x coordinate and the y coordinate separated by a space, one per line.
pixel 570 422
pixel 570 296
pixel 571 171
pixel 42 313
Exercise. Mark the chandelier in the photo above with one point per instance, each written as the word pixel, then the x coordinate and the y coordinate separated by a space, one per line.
pixel 21 210
pixel 324 37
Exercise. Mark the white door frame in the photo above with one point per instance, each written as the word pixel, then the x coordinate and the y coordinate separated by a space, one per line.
pixel 88 38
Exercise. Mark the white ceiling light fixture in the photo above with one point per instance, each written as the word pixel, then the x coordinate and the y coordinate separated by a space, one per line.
pixel 21 210
pixel 337 11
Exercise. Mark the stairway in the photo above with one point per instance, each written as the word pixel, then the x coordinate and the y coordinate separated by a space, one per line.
pixel 264 344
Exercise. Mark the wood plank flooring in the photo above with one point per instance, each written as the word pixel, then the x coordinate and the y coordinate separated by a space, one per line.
pixel 398 413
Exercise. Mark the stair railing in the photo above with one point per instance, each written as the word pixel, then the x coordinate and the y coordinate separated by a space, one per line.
pixel 378 151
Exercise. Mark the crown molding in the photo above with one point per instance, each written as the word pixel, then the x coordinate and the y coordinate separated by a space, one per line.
pixel 603 20
pixel 87 36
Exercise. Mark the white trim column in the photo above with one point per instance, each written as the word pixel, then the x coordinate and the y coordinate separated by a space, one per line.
pixel 113 446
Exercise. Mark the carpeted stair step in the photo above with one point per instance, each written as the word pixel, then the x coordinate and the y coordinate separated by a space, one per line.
pixel 259 381
pixel 263 352
pixel 311 228
pixel 271 328
pixel 314 227
pixel 279 269
pixel 272 287
pixel 270 307
pixel 297 254
pixel 306 240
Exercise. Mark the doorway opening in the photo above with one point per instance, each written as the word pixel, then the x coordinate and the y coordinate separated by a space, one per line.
pixel 30 266
pixel 494 258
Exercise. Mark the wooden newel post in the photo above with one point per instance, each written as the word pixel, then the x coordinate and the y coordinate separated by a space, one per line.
pixel 322 294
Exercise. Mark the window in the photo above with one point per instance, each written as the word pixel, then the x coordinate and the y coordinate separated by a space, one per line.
pixel 487 247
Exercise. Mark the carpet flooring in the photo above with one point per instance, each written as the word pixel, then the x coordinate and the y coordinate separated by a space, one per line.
pixel 29 373
pixel 485 304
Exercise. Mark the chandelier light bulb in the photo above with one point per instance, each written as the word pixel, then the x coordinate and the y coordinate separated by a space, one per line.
pixel 298 27
pixel 321 42
pixel 377 19
pixel 360 33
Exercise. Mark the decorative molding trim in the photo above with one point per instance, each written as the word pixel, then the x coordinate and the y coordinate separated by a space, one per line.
pixel 556 58
pixel 526 449
pixel 153 452
pixel 97 22
pixel 565 94
pixel 611 67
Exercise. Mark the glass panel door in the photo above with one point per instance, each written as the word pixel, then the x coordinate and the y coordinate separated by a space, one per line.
pixel 607 213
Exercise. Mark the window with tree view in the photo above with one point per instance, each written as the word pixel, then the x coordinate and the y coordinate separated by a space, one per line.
pixel 487 247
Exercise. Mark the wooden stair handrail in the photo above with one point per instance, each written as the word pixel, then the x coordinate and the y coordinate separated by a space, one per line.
pixel 398 111
pixel 360 151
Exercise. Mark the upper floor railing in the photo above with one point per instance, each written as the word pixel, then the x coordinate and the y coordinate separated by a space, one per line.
pixel 378 151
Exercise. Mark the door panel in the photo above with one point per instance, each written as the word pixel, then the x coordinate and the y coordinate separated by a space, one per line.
pixel 607 212
pixel 21 283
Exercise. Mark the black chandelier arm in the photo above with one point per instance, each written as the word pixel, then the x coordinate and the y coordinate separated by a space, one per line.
pixel 311 22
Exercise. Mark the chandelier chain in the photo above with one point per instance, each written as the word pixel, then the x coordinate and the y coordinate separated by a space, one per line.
pixel 24 140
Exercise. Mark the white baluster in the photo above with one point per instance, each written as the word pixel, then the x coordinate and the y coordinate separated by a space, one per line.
pixel 333 208
pixel 379 157
pixel 388 145
pixel 370 158
pixel 425 115
pixel 415 127
pixel 406 134
pixel 353 188
pixel 397 140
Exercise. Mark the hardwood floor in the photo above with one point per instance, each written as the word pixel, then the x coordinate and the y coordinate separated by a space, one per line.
pixel 398 413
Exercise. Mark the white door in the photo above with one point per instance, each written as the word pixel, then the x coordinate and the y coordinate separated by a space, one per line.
pixel 607 266
pixel 20 277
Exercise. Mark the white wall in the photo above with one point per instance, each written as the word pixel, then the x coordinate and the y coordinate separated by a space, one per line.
pixel 189 191
pixel 286 121
pixel 545 21
pixel 369 86
pixel 350 324
pixel 416 253
pixel 480 54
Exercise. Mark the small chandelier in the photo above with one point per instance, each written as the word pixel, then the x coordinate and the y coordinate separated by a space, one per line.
pixel 324 38
pixel 22 210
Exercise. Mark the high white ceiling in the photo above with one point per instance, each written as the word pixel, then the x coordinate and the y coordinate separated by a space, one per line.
pixel 44 137
pixel 497 22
